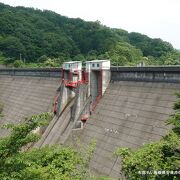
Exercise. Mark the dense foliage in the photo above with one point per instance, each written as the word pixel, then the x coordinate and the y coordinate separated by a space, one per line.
pixel 159 160
pixel 175 118
pixel 31 35
pixel 46 163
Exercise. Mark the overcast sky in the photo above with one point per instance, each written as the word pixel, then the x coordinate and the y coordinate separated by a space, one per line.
pixel 155 18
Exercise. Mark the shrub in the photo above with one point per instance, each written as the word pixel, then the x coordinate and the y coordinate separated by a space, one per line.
pixel 18 63
pixel 54 162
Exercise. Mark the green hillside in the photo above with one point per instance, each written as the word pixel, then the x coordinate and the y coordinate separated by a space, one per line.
pixel 37 36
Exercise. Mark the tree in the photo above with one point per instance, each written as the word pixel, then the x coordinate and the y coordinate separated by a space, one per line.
pixel 2 58
pixel 123 53
pixel 175 118
pixel 172 58
pixel 34 33
pixel 18 64
pixel 50 63
pixel 92 55
pixel 103 56
pixel 8 61
pixel 42 59
pixel 11 46
pixel 79 57
pixel 54 162
pixel 150 47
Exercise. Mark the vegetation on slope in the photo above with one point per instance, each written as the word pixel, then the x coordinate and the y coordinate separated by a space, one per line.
pixel 54 162
pixel 48 39
pixel 160 160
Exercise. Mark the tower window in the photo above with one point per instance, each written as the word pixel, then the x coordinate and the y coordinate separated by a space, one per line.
pixel 97 65
pixel 93 65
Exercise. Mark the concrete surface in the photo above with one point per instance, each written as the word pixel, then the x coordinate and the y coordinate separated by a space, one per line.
pixel 25 96
pixel 129 115
pixel 31 72
pixel 56 127
pixel 60 127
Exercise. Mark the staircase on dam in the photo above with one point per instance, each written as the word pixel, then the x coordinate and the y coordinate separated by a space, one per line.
pixel 119 107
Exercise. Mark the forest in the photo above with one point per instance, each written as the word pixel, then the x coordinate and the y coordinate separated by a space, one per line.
pixel 46 38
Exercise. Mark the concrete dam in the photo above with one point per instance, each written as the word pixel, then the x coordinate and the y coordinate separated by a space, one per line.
pixel 24 93
pixel 119 107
